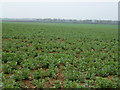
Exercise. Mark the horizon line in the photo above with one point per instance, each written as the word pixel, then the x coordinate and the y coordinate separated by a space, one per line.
pixel 54 18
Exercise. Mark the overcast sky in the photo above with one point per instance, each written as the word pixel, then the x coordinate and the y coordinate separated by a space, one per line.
pixel 66 10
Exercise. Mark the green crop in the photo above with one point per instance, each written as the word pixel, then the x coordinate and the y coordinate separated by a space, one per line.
pixel 56 55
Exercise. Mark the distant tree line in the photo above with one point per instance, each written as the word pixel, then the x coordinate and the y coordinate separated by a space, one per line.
pixel 49 20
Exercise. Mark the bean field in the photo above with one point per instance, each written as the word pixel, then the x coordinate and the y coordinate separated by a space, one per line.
pixel 59 55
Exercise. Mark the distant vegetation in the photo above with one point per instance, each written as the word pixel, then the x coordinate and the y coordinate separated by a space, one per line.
pixel 49 20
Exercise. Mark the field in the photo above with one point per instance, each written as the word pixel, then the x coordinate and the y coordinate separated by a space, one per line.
pixel 54 55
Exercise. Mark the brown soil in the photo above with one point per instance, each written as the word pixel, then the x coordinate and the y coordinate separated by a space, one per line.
pixel 62 64
pixel 6 39
pixel 108 77
pixel 38 50
pixel 19 67
pixel 27 83
pixel 102 50
pixel 30 77
pixel 60 76
pixel 29 44
pixel 37 67
pixel 49 83
pixel 59 40
pixel 82 83
pixel 44 69
pixel 8 75
pixel 77 55
pixel 92 50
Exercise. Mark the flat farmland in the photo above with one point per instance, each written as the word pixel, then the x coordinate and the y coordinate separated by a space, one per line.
pixel 59 55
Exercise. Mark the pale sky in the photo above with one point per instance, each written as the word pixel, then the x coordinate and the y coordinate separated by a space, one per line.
pixel 66 10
